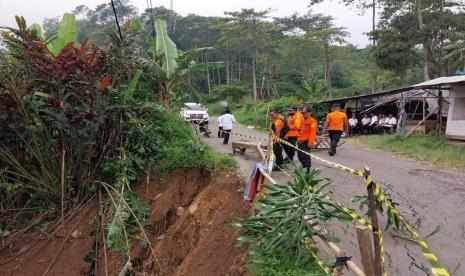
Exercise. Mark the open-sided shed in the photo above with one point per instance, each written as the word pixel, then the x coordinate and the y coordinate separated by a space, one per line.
pixel 435 104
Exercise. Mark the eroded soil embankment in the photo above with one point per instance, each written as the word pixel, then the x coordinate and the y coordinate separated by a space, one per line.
pixel 189 214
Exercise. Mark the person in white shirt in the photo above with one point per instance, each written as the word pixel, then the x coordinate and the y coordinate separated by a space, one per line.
pixel 366 120
pixel 386 121
pixel 390 124
pixel 226 121
pixel 353 122
pixel 379 126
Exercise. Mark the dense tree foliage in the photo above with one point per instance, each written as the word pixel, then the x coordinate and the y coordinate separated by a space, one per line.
pixel 413 40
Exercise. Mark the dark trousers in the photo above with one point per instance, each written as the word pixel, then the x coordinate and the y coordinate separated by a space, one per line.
pixel 220 132
pixel 304 159
pixel 365 129
pixel 290 151
pixel 389 129
pixel 354 130
pixel 278 153
pixel 334 136
pixel 226 133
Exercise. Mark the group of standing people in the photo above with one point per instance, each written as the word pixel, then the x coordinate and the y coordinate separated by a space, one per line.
pixel 299 131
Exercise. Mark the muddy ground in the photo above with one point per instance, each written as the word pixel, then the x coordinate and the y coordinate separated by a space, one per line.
pixel 427 195
pixel 189 233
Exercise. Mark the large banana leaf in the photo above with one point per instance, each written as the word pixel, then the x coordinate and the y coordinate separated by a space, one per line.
pixel 148 38
pixel 66 33
pixel 166 48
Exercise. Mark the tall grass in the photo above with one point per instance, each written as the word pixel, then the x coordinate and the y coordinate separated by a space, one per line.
pixel 432 148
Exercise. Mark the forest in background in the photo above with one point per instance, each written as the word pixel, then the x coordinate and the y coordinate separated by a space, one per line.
pixel 302 55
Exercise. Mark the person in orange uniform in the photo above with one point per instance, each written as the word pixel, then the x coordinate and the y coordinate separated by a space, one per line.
pixel 307 137
pixel 280 128
pixel 336 123
pixel 300 115
pixel 294 121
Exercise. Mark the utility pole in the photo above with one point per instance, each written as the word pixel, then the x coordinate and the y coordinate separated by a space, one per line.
pixel 375 66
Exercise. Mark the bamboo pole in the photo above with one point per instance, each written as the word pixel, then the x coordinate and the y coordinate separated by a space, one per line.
pixel 267 176
pixel 422 121
pixel 260 152
pixel 366 249
pixel 374 223
pixel 339 252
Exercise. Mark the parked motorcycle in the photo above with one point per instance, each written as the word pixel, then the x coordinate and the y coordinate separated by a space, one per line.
pixel 203 129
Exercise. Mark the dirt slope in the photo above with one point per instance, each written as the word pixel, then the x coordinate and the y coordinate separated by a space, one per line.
pixel 428 196
pixel 189 233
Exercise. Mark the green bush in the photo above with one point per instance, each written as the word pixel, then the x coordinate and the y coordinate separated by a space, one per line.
pixel 233 92
pixel 215 109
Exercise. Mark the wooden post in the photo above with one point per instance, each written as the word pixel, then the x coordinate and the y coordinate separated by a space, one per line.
pixel 440 111
pixel 366 249
pixel 402 107
pixel 424 114
pixel 374 223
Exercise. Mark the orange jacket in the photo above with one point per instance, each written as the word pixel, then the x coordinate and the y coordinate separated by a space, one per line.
pixel 300 116
pixel 278 124
pixel 336 120
pixel 294 123
pixel 308 131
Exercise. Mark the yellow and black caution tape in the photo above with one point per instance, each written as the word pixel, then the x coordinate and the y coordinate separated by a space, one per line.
pixel 240 135
pixel 381 246
pixel 325 268
pixel 437 269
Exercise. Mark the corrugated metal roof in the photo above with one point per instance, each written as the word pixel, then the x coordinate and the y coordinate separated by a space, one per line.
pixel 441 81
pixel 435 83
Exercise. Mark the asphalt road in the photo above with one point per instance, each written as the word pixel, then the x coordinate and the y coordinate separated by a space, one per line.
pixel 426 195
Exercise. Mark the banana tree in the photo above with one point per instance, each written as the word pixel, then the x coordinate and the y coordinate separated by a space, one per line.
pixel 67 33
pixel 167 65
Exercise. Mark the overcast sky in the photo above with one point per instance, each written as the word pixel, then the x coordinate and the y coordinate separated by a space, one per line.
pixel 36 10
